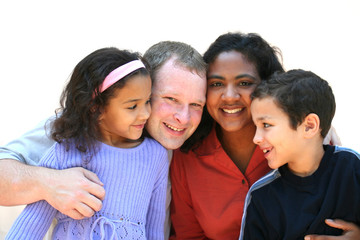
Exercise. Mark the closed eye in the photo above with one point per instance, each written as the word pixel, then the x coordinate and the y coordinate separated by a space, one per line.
pixel 171 99
pixel 197 105
pixel 132 107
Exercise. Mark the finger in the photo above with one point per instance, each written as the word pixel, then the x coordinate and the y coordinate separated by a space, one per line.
pixel 94 186
pixel 83 210
pixel 320 237
pixel 92 177
pixel 96 190
pixel 92 202
pixel 341 224
pixel 74 214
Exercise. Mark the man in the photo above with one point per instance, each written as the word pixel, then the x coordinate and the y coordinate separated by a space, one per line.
pixel 178 97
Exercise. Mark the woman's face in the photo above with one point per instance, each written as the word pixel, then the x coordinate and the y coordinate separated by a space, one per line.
pixel 230 81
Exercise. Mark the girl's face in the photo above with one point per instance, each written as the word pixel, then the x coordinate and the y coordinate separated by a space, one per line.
pixel 231 79
pixel 124 117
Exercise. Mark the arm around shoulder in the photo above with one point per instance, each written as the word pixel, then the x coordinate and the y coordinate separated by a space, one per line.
pixel 75 192
pixel 21 182
pixel 18 180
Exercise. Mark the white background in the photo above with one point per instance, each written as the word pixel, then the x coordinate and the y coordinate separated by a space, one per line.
pixel 42 41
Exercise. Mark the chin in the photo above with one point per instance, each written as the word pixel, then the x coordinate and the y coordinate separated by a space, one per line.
pixel 171 146
pixel 272 165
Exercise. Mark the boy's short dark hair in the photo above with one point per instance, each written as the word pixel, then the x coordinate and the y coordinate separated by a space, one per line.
pixel 299 93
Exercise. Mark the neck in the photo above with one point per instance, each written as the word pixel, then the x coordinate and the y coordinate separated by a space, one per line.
pixel 238 145
pixel 237 138
pixel 309 161
pixel 121 143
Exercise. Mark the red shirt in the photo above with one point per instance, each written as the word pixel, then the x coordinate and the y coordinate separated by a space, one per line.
pixel 208 191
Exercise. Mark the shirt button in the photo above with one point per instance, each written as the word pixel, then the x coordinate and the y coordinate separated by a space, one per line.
pixel 243 181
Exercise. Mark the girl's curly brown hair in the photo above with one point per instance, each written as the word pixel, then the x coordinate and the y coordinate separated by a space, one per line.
pixel 81 102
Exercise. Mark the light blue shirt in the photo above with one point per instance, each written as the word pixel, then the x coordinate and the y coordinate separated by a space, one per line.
pixel 31 146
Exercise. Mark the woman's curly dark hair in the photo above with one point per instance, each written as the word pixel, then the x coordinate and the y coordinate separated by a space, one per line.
pixel 81 101
pixel 256 50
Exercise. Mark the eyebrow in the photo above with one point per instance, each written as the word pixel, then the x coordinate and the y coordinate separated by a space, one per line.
pixel 237 77
pixel 200 101
pixel 262 118
pixel 131 100
pixel 134 100
pixel 177 95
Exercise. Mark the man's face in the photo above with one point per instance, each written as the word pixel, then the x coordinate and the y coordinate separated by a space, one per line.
pixel 178 98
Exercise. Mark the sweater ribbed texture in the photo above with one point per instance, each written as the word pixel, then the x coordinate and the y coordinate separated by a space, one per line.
pixel 135 182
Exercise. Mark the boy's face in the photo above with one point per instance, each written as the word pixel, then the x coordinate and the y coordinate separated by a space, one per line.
pixel 280 143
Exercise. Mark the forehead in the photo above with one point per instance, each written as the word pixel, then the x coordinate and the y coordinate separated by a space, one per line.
pixel 232 62
pixel 266 108
pixel 135 87
pixel 175 78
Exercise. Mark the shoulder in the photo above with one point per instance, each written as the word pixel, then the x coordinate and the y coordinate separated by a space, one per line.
pixel 207 148
pixel 154 146
pixel 67 155
pixel 259 191
pixel 151 142
pixel 346 155
pixel 346 152
pixel 181 160
pixel 155 150
pixel 265 181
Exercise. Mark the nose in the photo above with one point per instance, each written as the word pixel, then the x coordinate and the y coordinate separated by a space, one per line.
pixel 258 137
pixel 145 112
pixel 182 114
pixel 231 92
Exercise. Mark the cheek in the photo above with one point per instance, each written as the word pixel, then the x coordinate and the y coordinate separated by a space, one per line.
pixel 211 99
pixel 161 109
pixel 246 95
pixel 196 116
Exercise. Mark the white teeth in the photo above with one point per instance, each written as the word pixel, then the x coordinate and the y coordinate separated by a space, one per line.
pixel 174 128
pixel 232 110
pixel 265 151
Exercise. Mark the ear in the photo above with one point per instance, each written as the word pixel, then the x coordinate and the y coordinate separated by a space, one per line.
pixel 311 125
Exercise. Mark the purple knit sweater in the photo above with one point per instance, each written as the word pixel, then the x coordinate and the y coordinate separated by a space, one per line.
pixel 135 182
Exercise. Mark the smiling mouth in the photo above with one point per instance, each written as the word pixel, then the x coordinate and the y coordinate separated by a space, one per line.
pixel 265 151
pixel 231 111
pixel 174 128
pixel 139 126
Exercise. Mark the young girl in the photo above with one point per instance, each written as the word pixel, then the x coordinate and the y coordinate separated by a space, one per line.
pixel 104 109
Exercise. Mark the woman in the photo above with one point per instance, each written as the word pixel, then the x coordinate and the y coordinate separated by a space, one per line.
pixel 214 169
pixel 210 179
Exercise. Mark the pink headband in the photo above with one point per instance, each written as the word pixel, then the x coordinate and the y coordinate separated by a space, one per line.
pixel 120 72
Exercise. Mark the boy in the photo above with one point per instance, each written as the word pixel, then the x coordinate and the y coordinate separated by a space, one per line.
pixel 310 182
